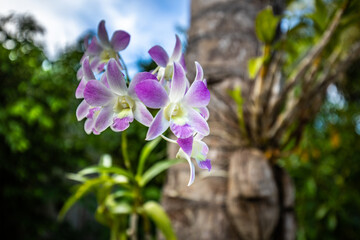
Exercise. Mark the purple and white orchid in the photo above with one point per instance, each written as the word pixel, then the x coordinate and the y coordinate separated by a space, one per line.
pixel 119 104
pixel 84 109
pixel 101 49
pixel 165 64
pixel 114 101
pixel 178 108
pixel 194 147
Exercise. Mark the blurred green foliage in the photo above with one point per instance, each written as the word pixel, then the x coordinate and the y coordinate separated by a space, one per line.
pixel 41 140
pixel 326 166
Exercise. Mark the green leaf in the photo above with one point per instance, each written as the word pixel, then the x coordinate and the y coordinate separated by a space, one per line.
pixel 254 66
pixel 80 192
pixel 265 25
pixel 99 169
pixel 236 95
pixel 121 208
pixel 321 15
pixel 145 152
pixel 157 214
pixel 105 161
pixel 76 177
pixel 101 217
pixel 156 169
pixel 321 212
pixel 311 186
pixel 332 222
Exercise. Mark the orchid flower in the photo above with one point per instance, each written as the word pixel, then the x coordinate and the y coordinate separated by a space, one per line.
pixel 115 102
pixel 84 109
pixel 165 64
pixel 178 110
pixel 119 104
pixel 91 119
pixel 101 49
pixel 86 76
pixel 194 147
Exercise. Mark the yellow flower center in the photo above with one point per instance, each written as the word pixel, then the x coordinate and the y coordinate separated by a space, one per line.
pixel 106 54
pixel 123 103
pixel 174 111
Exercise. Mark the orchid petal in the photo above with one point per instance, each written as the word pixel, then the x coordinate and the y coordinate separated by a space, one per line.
pixel 181 131
pixel 104 80
pixel 199 72
pixel 94 47
pixel 182 155
pixel 198 137
pixel 186 144
pixel 192 172
pixel 101 66
pixel 79 73
pixel 115 78
pixel 82 110
pixel 121 124
pixel 198 122
pixel 104 119
pixel 86 41
pixel 89 125
pixel 139 77
pixel 204 111
pixel 142 114
pixel 177 50
pixel 158 126
pixel 200 149
pixel 97 65
pixel 178 84
pixel 197 96
pixel 120 40
pixel 79 93
pixel 159 55
pixel 93 112
pixel 94 62
pixel 102 34
pixel 96 93
pixel 88 74
pixel 151 93
pixel 205 164
pixel 182 62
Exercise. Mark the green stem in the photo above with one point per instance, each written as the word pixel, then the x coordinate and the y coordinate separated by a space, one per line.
pixel 168 139
pixel 156 69
pixel 124 150
pixel 146 227
pixel 115 233
pixel 125 68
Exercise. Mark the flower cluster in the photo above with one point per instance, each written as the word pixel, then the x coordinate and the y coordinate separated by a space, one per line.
pixel 114 101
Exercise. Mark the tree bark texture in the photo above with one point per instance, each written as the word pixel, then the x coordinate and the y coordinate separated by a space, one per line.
pixel 244 196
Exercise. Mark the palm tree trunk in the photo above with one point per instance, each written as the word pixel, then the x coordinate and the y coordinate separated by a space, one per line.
pixel 244 196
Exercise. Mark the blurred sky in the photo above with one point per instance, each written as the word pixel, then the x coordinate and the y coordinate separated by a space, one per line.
pixel 149 22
